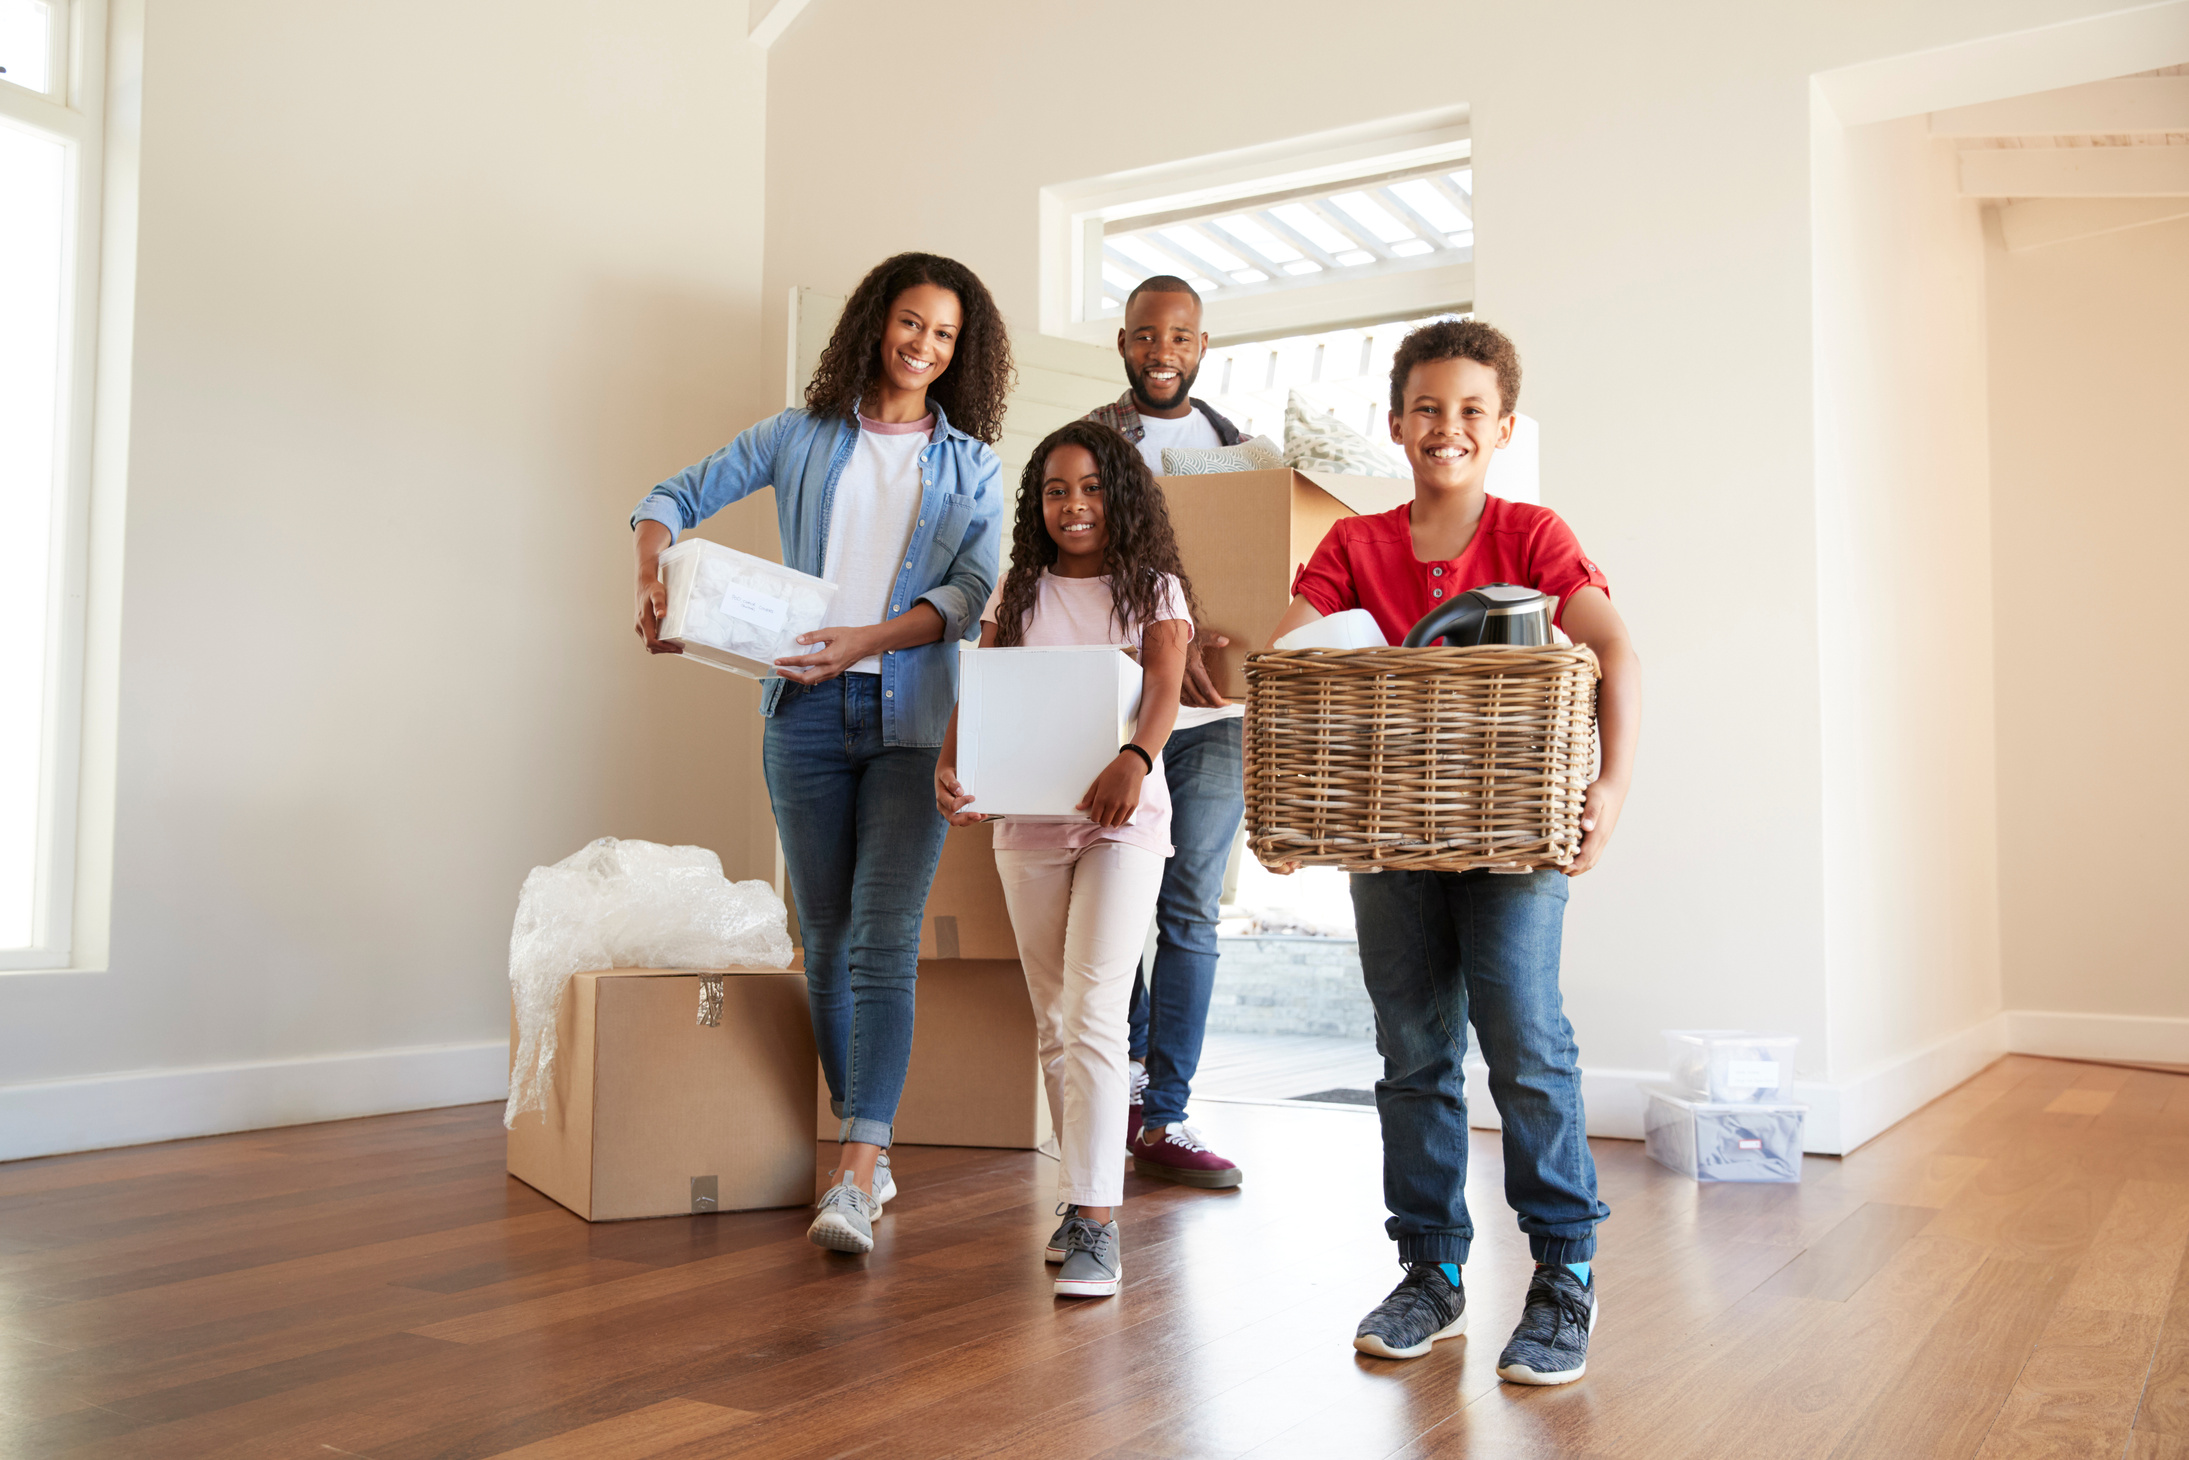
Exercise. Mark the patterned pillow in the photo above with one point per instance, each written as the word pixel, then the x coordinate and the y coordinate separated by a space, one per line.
pixel 1256 453
pixel 1316 441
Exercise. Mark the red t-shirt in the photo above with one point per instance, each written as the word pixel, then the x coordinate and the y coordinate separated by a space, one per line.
pixel 1369 562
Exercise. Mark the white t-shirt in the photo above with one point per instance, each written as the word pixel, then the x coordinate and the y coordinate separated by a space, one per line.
pixel 1190 429
pixel 870 523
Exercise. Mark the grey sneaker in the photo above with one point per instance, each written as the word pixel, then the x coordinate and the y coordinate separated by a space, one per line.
pixel 1423 1308
pixel 1056 1248
pixel 885 1185
pixel 846 1220
pixel 1092 1268
pixel 1551 1345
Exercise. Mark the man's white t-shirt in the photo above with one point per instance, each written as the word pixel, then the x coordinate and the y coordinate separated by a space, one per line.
pixel 1190 429
pixel 870 523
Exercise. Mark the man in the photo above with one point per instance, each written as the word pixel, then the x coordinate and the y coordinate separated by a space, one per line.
pixel 1162 344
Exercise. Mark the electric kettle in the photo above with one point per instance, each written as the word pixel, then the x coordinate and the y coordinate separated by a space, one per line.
pixel 1495 613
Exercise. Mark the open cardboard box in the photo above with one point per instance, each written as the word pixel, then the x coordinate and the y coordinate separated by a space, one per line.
pixel 653 1114
pixel 1245 535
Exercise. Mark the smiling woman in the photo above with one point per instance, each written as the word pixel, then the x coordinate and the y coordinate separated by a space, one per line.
pixel 885 485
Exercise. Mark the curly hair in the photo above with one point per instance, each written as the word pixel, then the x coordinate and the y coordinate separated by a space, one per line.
pixel 1458 339
pixel 971 390
pixel 1142 547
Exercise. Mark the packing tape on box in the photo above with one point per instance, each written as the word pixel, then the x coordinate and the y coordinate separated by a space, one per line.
pixel 707 1190
pixel 710 1015
pixel 946 936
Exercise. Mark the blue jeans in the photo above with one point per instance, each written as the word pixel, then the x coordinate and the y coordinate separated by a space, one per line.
pixel 1205 769
pixel 861 837
pixel 1439 949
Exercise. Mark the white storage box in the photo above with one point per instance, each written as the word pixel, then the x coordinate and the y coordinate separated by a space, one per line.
pixel 1732 1066
pixel 1713 1142
pixel 739 612
pixel 1036 726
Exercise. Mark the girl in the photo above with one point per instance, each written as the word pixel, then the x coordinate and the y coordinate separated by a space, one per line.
pixel 885 484
pixel 1093 562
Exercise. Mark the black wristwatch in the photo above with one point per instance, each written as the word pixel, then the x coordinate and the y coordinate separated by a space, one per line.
pixel 1145 758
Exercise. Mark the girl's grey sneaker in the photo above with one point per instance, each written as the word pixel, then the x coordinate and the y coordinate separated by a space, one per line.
pixel 1551 1345
pixel 1056 1249
pixel 885 1185
pixel 1423 1308
pixel 846 1220
pixel 1092 1268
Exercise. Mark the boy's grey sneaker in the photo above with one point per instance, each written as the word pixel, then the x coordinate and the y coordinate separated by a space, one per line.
pixel 846 1220
pixel 1092 1265
pixel 1056 1249
pixel 1551 1345
pixel 885 1185
pixel 1423 1308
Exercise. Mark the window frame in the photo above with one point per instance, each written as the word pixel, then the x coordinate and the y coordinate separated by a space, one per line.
pixel 72 113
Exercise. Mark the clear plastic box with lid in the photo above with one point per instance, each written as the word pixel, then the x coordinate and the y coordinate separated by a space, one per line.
pixel 1732 1066
pixel 736 611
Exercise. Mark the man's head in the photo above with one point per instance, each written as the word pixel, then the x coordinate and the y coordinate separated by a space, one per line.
pixel 1162 344
pixel 1454 385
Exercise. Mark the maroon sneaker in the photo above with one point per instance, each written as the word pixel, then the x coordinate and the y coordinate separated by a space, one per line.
pixel 1178 1154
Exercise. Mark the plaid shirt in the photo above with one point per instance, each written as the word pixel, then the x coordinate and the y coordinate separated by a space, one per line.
pixel 1123 417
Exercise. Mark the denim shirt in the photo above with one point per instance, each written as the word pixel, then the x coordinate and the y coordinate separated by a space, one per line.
pixel 950 562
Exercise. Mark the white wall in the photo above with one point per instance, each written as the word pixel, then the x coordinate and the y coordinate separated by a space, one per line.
pixel 1904 611
pixel 2090 472
pixel 428 296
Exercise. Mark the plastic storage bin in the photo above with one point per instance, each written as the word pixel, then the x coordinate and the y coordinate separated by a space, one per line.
pixel 1717 1142
pixel 1732 1066
pixel 736 611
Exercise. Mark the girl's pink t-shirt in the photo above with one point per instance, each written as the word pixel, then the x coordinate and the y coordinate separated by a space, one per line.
pixel 1076 611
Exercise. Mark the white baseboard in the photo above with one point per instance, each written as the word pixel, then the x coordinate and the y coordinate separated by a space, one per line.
pixel 164 1105
pixel 2132 1037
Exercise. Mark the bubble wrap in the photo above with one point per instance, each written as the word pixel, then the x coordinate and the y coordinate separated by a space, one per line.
pixel 707 619
pixel 625 904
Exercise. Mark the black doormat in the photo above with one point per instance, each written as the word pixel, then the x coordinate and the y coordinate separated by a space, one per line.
pixel 1341 1097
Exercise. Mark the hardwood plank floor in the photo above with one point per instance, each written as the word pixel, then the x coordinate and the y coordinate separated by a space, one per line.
pixel 2004 1274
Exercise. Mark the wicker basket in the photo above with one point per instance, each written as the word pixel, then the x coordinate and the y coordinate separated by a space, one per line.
pixel 1419 759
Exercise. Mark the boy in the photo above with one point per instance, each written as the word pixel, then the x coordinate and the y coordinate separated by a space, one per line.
pixel 1441 948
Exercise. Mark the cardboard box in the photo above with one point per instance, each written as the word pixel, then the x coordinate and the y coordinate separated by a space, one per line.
pixel 974 1079
pixel 653 1114
pixel 1245 535
pixel 966 916
pixel 1036 726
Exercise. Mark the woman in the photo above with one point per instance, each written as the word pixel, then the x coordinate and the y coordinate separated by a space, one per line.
pixel 885 485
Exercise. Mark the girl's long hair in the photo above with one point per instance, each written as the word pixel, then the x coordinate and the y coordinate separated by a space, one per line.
pixel 972 391
pixel 1142 547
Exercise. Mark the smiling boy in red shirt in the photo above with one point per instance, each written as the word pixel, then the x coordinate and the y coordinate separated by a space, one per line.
pixel 1441 949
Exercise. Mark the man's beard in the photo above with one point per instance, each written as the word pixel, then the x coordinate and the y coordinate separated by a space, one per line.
pixel 1139 384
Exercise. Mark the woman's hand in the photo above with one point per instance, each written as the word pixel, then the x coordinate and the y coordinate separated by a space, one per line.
pixel 950 797
pixel 1599 818
pixel 840 649
pixel 1115 794
pixel 653 596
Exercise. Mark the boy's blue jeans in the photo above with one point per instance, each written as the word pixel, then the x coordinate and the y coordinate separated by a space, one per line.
pixel 1438 950
pixel 861 837
pixel 1205 769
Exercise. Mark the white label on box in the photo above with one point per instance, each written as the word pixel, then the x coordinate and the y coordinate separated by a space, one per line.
pixel 1751 1145
pixel 1754 1074
pixel 756 608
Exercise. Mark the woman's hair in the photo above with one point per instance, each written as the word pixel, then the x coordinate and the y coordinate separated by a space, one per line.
pixel 1141 549
pixel 971 391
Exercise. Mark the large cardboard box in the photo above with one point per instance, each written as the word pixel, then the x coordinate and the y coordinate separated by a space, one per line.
pixel 1244 535
pixel 1036 726
pixel 974 1079
pixel 966 916
pixel 653 1114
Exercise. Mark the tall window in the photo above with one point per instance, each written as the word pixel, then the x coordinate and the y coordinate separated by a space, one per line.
pixel 49 140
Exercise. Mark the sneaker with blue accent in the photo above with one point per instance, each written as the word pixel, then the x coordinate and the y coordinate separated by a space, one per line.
pixel 846 1219
pixel 1423 1308
pixel 1551 1345
pixel 1093 1266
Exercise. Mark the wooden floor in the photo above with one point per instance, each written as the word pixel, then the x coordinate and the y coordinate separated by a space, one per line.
pixel 1996 1277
